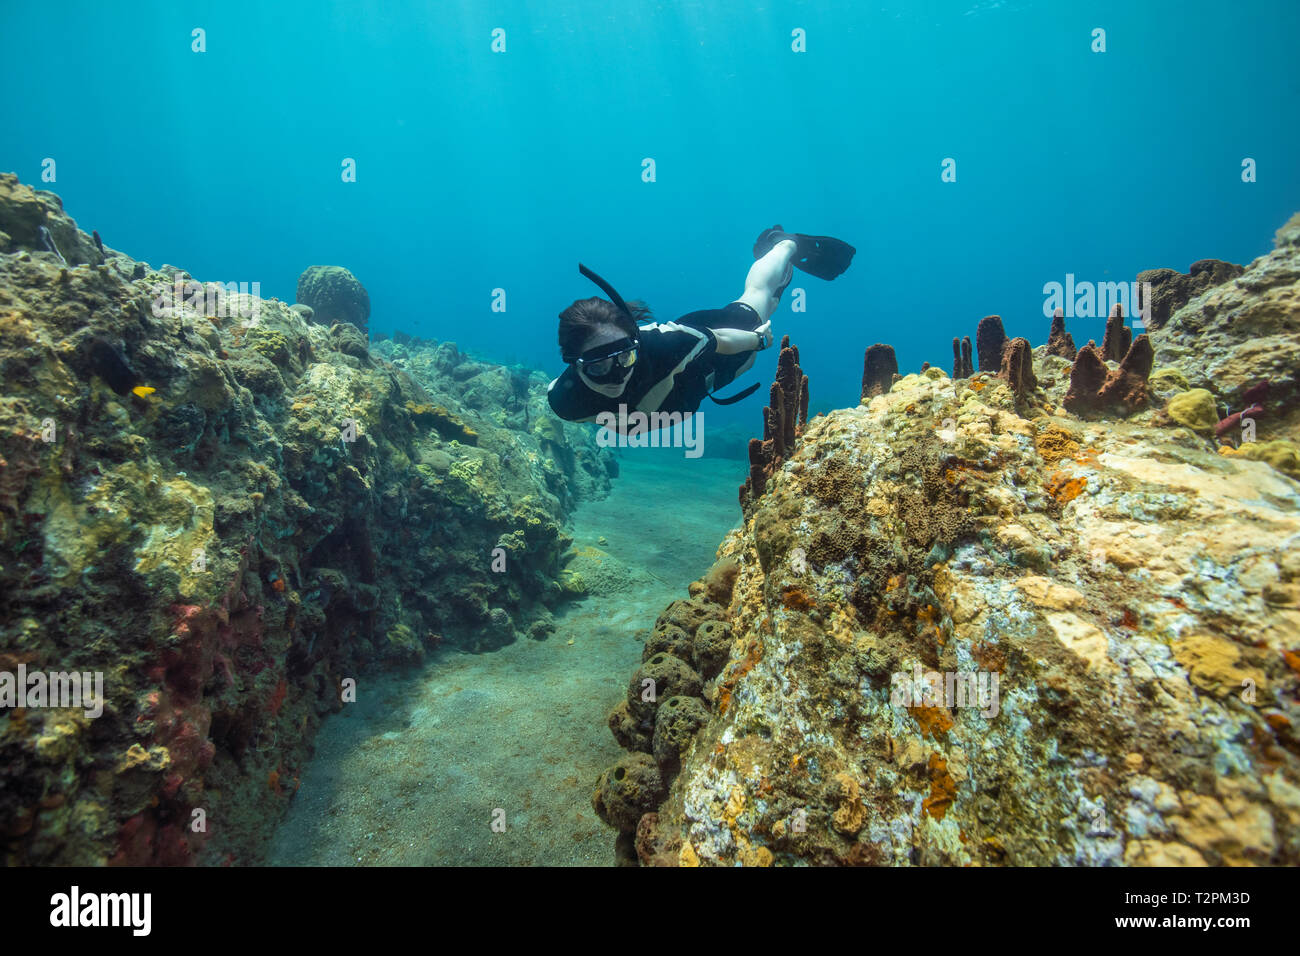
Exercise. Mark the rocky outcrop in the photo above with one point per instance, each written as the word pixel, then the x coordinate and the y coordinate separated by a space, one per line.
pixel 976 646
pixel 966 630
pixel 1170 290
pixel 230 514
pixel 1238 333
pixel 33 220
pixel 333 294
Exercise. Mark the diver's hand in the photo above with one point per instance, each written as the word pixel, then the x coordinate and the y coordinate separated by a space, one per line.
pixel 764 333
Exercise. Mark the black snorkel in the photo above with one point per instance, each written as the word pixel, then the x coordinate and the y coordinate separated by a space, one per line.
pixel 609 290
pixel 620 361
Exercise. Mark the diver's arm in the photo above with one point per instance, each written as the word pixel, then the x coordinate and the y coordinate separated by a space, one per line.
pixel 734 341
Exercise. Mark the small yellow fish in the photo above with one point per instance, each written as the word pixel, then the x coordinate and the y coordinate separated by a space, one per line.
pixel 143 390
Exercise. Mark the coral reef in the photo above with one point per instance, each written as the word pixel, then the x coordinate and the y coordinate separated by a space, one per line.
pixel 879 366
pixel 962 630
pixel 445 423
pixel 228 519
pixel 990 340
pixel 333 294
pixel 1238 339
pixel 783 422
pixel 25 211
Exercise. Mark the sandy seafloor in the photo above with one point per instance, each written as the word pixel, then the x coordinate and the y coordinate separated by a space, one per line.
pixel 412 773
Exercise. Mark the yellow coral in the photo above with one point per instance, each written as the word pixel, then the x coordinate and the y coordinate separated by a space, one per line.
pixel 735 805
pixel 756 856
pixel 850 814
pixel 571 582
pixel 1282 455
pixel 1055 443
pixel 1195 409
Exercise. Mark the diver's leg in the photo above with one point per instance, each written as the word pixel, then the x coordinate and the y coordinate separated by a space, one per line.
pixel 768 278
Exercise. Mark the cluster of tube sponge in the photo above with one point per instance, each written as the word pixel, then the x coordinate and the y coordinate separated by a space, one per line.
pixel 1094 387
pixel 784 419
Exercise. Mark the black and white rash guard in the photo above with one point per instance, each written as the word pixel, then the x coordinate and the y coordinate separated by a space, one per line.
pixel 677 365
pixel 669 376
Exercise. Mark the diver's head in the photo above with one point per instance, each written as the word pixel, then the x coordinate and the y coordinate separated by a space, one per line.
pixel 600 340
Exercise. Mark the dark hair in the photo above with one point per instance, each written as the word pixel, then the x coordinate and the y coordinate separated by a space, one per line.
pixel 581 319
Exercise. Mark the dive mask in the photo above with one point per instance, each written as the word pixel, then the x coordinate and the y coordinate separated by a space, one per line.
pixel 609 363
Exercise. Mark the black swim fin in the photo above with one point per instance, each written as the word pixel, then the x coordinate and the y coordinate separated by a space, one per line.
pixel 820 256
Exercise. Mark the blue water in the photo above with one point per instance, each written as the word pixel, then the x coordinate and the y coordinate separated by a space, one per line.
pixel 479 170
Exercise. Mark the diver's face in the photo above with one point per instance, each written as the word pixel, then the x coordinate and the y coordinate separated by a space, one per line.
pixel 608 356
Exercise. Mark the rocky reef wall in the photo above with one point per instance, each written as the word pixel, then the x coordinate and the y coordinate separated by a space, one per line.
pixel 967 626
pixel 231 512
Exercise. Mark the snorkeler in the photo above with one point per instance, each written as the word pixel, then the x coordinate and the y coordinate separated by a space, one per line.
pixel 672 366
